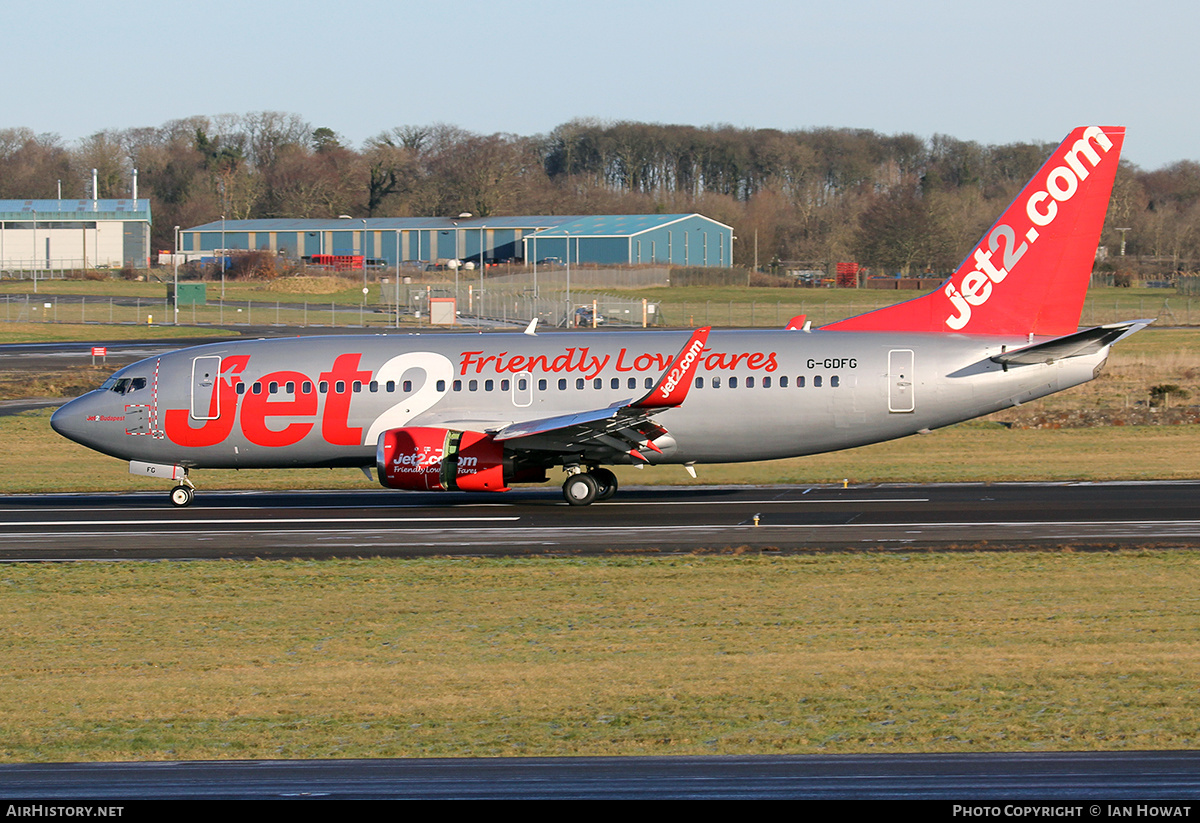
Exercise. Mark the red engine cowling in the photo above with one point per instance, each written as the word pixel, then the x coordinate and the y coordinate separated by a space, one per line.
pixel 428 459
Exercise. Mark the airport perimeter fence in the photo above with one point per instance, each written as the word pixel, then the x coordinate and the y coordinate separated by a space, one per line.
pixel 496 308
pixel 37 270
pixel 512 309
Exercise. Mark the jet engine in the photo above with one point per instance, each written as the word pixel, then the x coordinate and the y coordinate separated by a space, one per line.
pixel 430 459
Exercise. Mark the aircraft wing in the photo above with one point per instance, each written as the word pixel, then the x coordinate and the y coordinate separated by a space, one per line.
pixel 1088 341
pixel 624 427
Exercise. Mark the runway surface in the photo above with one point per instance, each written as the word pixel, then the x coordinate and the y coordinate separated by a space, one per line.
pixel 1093 782
pixel 370 522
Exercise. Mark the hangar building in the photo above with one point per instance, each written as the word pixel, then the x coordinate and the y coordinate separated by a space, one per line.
pixel 74 234
pixel 676 239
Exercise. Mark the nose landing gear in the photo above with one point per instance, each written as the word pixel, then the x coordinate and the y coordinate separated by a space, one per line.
pixel 183 494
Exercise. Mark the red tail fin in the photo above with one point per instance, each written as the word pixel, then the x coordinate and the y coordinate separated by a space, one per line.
pixel 1030 272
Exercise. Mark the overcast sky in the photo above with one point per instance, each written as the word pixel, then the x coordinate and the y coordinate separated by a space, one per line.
pixel 995 72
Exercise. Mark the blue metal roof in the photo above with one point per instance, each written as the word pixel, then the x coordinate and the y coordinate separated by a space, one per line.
pixel 75 209
pixel 388 223
pixel 617 225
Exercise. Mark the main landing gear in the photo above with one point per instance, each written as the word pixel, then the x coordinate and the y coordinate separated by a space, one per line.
pixel 583 488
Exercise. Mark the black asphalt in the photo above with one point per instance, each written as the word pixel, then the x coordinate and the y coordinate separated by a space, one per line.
pixel 377 522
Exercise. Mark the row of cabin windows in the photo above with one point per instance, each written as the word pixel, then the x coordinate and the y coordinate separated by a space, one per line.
pixel 323 387
pixel 766 382
pixel 406 386
pixel 631 383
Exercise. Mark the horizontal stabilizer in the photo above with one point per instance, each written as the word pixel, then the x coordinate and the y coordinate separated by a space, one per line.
pixel 1088 341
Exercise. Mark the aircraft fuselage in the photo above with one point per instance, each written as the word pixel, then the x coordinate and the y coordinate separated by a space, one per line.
pixel 755 395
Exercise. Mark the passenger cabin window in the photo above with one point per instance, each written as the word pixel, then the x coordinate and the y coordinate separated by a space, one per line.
pixel 834 381
pixel 817 382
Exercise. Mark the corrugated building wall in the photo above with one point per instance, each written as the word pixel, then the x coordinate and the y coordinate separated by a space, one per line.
pixel 677 239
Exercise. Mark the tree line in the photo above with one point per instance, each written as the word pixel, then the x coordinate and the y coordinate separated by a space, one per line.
pixel 804 198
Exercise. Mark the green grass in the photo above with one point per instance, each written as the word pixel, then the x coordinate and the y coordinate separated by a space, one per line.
pixel 343 290
pixel 749 654
pixel 74 332
pixel 256 301
pixel 621 656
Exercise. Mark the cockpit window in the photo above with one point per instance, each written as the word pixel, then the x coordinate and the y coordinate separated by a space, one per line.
pixel 125 385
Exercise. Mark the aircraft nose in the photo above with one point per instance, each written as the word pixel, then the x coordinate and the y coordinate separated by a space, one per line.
pixel 71 418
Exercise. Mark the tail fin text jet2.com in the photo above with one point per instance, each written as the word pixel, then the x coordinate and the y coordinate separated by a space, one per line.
pixel 479 412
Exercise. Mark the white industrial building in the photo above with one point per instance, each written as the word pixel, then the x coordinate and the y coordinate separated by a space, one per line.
pixel 59 235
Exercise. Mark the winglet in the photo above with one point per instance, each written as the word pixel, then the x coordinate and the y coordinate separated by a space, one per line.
pixel 672 387
pixel 797 322
pixel 531 328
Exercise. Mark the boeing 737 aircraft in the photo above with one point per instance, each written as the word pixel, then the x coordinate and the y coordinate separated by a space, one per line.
pixel 478 412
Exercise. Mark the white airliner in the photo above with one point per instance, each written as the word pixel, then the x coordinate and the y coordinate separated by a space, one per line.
pixel 478 412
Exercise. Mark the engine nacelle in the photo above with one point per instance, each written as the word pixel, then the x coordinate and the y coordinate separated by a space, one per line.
pixel 429 459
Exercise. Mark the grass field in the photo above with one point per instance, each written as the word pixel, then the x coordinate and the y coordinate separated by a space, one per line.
pixel 625 656
pixel 249 302
pixel 702 654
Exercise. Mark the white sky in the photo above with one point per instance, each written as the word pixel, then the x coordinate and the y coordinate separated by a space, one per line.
pixel 994 72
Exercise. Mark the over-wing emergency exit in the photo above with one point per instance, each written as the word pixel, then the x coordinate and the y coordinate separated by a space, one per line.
pixel 479 412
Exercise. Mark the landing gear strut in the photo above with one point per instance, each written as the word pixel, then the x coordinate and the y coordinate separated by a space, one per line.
pixel 583 488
